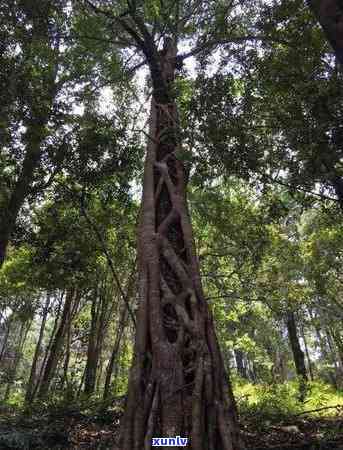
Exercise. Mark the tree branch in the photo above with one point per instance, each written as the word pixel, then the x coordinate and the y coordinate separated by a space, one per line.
pixel 232 40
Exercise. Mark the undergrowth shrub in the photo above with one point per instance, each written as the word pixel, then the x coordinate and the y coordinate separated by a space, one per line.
pixel 267 404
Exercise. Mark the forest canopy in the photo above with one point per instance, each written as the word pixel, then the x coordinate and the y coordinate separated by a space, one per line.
pixel 171 234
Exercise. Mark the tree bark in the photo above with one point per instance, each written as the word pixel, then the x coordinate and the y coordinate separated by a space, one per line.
pixel 309 362
pixel 329 14
pixel 241 369
pixel 177 384
pixel 339 345
pixel 298 354
pixel 65 379
pixel 18 355
pixel 92 351
pixel 8 325
pixel 110 366
pixel 48 348
pixel 31 382
pixel 335 360
pixel 57 344
pixel 325 354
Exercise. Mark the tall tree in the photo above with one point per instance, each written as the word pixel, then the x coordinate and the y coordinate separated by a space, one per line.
pixel 33 87
pixel 298 354
pixel 177 384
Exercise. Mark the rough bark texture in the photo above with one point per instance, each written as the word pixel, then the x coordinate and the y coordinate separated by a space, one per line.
pixel 177 385
pixel 329 14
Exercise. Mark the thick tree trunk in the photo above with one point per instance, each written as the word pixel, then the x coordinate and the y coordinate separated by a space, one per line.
pixel 31 382
pixel 57 345
pixel 177 385
pixel 329 14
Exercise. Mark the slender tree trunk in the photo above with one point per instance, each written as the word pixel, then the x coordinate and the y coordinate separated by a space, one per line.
pixel 309 362
pixel 92 353
pixel 81 383
pixel 7 333
pixel 103 322
pixel 119 334
pixel 241 369
pixel 325 354
pixel 329 14
pixel 280 371
pixel 57 345
pixel 31 382
pixel 177 384
pixel 99 374
pixel 334 359
pixel 65 381
pixel 48 348
pixel 339 345
pixel 253 372
pixel 298 354
pixel 122 323
pixel 24 329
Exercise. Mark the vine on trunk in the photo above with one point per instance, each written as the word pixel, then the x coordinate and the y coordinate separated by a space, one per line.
pixel 178 385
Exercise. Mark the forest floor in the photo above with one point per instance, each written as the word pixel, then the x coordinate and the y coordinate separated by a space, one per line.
pixel 271 417
pixel 74 431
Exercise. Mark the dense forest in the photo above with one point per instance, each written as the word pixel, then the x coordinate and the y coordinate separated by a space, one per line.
pixel 171 224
